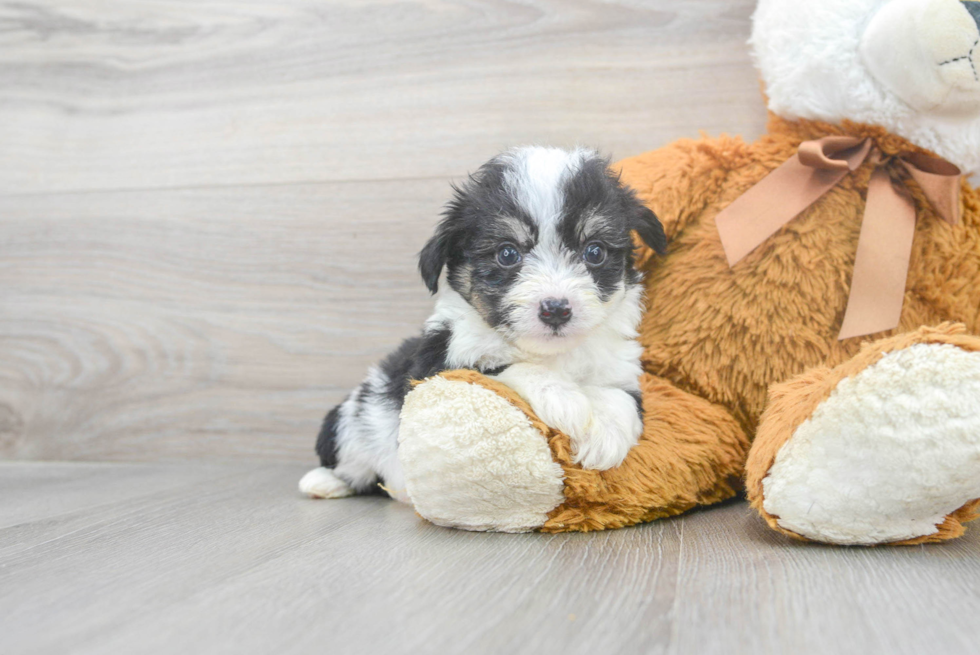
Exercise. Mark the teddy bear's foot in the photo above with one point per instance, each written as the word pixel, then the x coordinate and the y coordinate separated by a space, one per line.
pixel 473 460
pixel 883 449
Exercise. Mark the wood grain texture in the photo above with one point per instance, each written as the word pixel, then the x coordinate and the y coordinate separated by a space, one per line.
pixel 221 322
pixel 164 558
pixel 209 211
pixel 112 94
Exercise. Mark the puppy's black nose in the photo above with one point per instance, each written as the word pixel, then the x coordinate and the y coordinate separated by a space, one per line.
pixel 555 312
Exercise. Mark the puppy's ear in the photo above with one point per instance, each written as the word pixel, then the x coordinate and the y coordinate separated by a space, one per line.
pixel 436 253
pixel 642 219
pixel 433 257
pixel 650 229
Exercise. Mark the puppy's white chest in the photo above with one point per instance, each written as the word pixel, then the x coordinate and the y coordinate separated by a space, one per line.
pixel 611 362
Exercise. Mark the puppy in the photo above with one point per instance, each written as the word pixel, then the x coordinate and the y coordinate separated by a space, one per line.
pixel 542 294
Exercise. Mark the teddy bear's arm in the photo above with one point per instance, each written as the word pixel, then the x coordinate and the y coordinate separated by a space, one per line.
pixel 691 453
pixel 477 457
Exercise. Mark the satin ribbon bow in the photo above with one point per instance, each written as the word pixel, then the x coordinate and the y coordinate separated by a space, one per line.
pixel 881 264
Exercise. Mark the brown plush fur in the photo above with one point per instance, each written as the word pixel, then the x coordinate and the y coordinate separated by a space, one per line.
pixel 716 339
pixel 727 335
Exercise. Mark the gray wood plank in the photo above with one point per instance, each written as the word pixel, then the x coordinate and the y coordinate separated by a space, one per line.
pixel 70 487
pixel 232 559
pixel 114 94
pixel 217 322
pixel 769 594
pixel 78 579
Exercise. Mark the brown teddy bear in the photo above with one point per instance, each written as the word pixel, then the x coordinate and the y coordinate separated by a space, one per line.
pixel 820 301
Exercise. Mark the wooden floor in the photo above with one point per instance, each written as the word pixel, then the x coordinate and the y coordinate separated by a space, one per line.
pixel 212 558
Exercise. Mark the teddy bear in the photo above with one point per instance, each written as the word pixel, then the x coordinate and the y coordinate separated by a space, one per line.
pixel 811 339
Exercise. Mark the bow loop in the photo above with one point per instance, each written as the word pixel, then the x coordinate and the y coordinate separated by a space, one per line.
pixel 837 153
pixel 887 230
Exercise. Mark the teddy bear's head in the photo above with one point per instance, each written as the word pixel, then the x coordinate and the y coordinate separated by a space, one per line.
pixel 910 66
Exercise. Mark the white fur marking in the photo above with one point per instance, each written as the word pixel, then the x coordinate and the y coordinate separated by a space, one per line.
pixel 535 179
pixel 322 483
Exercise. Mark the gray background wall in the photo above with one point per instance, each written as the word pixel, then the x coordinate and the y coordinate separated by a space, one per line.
pixel 209 211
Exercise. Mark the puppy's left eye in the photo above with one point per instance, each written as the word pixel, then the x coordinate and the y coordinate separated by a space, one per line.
pixel 594 254
pixel 508 256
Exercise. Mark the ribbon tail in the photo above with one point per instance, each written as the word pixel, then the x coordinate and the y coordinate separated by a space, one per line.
pixel 881 265
pixel 772 203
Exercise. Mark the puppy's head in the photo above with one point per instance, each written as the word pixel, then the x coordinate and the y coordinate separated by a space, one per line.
pixel 538 241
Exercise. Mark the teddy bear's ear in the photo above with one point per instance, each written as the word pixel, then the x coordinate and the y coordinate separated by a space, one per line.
pixel 650 229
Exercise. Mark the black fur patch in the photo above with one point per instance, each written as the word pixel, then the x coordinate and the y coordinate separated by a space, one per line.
pixel 326 441
pixel 467 230
pixel 598 208
pixel 650 229
pixel 494 371
pixel 485 216
pixel 638 397
pixel 416 359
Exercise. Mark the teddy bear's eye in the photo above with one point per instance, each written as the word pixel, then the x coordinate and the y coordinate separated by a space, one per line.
pixel 594 254
pixel 508 256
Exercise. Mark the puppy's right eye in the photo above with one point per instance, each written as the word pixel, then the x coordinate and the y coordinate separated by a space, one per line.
pixel 508 256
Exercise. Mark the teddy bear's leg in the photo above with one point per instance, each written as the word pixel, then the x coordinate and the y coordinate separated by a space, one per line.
pixel 476 457
pixel 885 448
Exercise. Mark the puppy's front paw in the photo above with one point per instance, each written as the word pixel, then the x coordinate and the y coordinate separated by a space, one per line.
pixel 566 409
pixel 615 427
pixel 600 452
pixel 559 403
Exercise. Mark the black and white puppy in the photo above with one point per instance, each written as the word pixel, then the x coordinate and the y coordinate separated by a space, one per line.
pixel 542 295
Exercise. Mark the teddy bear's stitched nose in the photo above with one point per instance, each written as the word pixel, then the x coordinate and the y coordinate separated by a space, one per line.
pixel 973 6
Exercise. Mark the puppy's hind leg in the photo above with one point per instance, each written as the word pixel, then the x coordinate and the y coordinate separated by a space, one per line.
pixel 323 482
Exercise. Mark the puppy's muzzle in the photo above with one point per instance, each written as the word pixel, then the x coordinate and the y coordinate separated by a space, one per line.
pixel 555 312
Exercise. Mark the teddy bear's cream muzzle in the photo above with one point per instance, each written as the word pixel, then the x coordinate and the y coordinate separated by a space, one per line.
pixel 927 53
